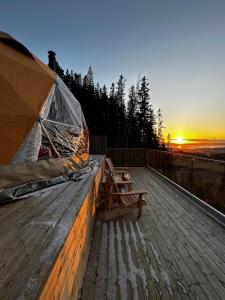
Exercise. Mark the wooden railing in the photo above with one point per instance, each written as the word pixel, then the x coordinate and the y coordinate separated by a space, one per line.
pixel 139 157
pixel 128 157
pixel 203 177
pixel 98 144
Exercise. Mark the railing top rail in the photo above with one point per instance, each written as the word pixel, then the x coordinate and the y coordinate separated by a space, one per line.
pixel 190 156
pixel 128 148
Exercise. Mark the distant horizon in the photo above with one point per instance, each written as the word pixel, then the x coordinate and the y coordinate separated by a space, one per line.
pixel 188 144
pixel 202 140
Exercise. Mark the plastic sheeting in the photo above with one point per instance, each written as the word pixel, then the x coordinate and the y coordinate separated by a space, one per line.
pixel 35 188
pixel 61 128
pixel 57 144
pixel 30 148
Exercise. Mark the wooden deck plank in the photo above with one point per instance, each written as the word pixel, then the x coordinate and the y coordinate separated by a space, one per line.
pixel 112 284
pixel 214 262
pixel 174 251
pixel 161 237
pixel 90 277
pixel 193 258
pixel 206 225
pixel 101 282
pixel 202 237
pixel 38 232
pixel 211 255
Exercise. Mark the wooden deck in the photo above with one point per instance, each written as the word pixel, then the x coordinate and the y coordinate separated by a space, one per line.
pixel 174 251
pixel 44 240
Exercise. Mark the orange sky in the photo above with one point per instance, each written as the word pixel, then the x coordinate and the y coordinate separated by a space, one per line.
pixel 190 125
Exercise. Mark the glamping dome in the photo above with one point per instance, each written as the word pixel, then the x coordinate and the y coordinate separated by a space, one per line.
pixel 43 133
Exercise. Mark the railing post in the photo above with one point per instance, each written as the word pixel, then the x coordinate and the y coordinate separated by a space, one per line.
pixel 192 170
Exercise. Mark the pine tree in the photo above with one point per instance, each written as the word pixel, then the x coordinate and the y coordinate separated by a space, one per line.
pixel 120 112
pixel 97 90
pixel 112 91
pixel 132 129
pixel 68 79
pixel 106 113
pixel 112 117
pixel 146 117
pixel 144 111
pixel 132 104
pixel 120 94
pixel 77 80
pixel 159 126
pixel 104 106
pixel 168 140
pixel 90 80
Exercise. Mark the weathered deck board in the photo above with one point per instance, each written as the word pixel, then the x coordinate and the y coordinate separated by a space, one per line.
pixel 174 251
pixel 44 240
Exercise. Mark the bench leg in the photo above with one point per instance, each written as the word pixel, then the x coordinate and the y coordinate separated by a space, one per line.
pixel 139 205
pixel 129 187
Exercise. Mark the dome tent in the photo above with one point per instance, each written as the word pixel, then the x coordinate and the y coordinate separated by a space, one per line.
pixel 43 133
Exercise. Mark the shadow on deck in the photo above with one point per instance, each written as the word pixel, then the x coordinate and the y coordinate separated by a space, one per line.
pixel 174 251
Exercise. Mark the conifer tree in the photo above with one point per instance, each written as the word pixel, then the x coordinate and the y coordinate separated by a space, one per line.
pixel 104 107
pixel 112 91
pixel 77 80
pixel 112 117
pixel 90 80
pixel 144 111
pixel 68 79
pixel 159 126
pixel 146 117
pixel 120 94
pixel 132 129
pixel 106 114
pixel 120 112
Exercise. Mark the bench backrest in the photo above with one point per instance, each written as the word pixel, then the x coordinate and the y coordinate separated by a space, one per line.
pixel 110 181
pixel 110 166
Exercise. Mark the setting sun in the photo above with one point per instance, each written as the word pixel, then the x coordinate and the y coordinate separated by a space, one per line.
pixel 179 140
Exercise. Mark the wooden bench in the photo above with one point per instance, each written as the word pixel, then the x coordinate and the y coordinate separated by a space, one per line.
pixel 119 202
pixel 124 175
pixel 121 177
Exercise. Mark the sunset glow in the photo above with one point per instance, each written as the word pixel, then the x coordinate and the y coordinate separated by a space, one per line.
pixel 180 141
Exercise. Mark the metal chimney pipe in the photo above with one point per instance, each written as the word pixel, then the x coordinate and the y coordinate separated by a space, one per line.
pixel 52 60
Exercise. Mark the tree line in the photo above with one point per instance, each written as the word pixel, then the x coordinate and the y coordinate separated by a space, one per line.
pixel 133 125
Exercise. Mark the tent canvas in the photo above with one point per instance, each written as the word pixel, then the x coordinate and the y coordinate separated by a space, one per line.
pixel 43 132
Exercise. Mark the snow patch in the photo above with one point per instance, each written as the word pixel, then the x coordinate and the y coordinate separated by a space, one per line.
pixel 142 238
pixel 133 235
pixel 155 253
pixel 132 268
pixel 111 263
pixel 122 268
pixel 153 274
pixel 166 280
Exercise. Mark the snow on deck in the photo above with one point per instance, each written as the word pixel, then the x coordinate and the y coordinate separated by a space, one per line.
pixel 174 251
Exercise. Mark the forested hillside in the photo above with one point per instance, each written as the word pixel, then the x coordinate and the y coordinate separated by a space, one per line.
pixel 133 125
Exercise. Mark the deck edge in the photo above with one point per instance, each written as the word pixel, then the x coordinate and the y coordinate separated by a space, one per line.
pixel 205 207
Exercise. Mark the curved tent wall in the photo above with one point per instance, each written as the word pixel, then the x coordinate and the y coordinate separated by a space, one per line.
pixel 42 128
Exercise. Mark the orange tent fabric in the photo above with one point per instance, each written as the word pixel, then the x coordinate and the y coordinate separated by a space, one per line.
pixel 25 83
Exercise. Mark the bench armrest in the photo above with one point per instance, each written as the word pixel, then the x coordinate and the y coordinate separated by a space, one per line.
pixel 124 182
pixel 140 192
